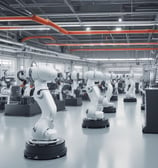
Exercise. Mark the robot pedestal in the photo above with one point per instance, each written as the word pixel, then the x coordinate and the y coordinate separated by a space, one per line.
pixel 131 99
pixel 60 105
pixel 98 123
pixel 73 101
pixel 109 109
pixel 26 107
pixel 3 101
pixel 114 98
pixel 45 150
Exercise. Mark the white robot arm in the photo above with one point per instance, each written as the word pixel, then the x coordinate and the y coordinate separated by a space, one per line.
pixel 115 83
pixel 44 128
pixel 131 91
pixel 94 112
pixel 94 94
pixel 127 83
pixel 60 90
pixel 44 143
pixel 75 83
pixel 108 94
pixel 109 86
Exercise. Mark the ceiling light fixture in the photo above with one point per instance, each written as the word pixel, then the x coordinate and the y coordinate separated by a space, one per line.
pixel 118 29
pixel 22 28
pixel 120 20
pixel 88 28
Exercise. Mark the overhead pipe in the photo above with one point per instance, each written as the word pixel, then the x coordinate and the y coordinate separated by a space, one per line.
pixel 15 18
pixel 107 23
pixel 98 44
pixel 37 37
pixel 10 42
pixel 90 32
pixel 112 49
pixel 49 23
pixel 64 31
pixel 43 51
pixel 9 28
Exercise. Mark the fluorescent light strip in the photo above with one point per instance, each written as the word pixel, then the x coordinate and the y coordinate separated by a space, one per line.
pixel 103 23
pixel 15 29
pixel 32 27
pixel 120 59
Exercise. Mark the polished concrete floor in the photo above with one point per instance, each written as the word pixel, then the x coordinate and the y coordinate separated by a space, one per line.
pixel 121 146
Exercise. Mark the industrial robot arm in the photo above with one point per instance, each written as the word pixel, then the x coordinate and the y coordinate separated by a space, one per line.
pixel 26 87
pixel 6 83
pixel 74 84
pixel 108 94
pixel 44 128
pixel 127 83
pixel 131 91
pixel 93 111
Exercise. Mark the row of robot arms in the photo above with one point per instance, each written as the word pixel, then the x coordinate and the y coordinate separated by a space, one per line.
pixel 44 142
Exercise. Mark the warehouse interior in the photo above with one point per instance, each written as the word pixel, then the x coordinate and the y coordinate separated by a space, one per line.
pixel 78 83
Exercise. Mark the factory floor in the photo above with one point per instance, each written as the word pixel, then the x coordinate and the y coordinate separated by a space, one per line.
pixel 122 145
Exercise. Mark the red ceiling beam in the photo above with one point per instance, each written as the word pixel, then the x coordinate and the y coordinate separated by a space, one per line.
pixel 37 37
pixel 98 44
pixel 49 23
pixel 15 18
pixel 10 28
pixel 64 31
pixel 112 49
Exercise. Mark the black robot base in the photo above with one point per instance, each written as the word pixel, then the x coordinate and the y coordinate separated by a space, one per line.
pixel 110 109
pixel 26 110
pixel 73 101
pixel 3 101
pixel 149 130
pixel 60 105
pixel 131 99
pixel 45 150
pixel 114 98
pixel 99 123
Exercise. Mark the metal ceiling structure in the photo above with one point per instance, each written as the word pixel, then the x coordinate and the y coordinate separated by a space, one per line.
pixel 78 25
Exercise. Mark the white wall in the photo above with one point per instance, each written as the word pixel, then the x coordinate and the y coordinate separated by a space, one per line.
pixel 117 67
pixel 111 54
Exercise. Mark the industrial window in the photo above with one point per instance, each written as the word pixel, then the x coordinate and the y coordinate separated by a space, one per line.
pixel 7 64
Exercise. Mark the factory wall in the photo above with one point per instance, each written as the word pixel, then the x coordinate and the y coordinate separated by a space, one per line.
pixel 117 66
pixel 112 54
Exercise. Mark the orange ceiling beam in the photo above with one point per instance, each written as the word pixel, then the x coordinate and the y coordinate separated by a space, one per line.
pixel 112 49
pixel 48 22
pixel 37 37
